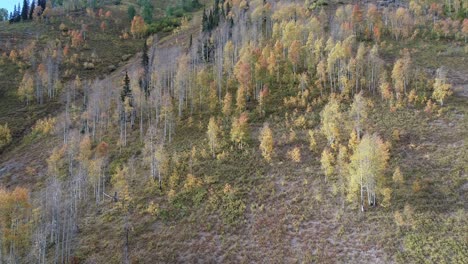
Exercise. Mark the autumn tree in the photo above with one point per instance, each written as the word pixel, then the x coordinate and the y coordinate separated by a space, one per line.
pixel 266 142
pixel 312 140
pixel 358 113
pixel 442 89
pixel 327 162
pixel 5 135
pixel 138 27
pixel 241 99
pixel 26 89
pixel 227 105
pixel 15 227
pixel 120 183
pixel 331 121
pixel 397 176
pixel 294 55
pixel 401 74
pixel 294 154
pixel 239 130
pixel 367 167
pixel 213 135
pixel 385 87
pixel 465 28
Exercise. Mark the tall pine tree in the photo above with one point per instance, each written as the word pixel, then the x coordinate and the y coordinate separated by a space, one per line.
pixel 126 92
pixel 145 63
pixel 31 10
pixel 24 11
pixel 42 3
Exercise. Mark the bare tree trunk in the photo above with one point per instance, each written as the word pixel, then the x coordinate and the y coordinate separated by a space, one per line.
pixel 126 252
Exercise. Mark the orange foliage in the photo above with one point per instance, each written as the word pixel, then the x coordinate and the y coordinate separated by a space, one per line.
pixel 138 28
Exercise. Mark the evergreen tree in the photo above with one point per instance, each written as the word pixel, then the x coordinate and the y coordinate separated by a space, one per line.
pixel 213 135
pixel 24 11
pixel 204 21
pixel 145 63
pixel 31 10
pixel 126 91
pixel 131 12
pixel 18 14
pixel 147 12
pixel 42 3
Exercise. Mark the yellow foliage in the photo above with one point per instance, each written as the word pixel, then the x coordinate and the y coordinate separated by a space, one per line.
pixel 387 196
pixel 266 142
pixel 353 140
pixel 239 130
pixel 153 208
pixel 174 180
pixel 45 126
pixel 312 141
pixel 292 136
pixel 295 154
pixel 331 121
pixel 213 135
pixel 327 161
pixel 192 182
pixel 240 99
pixel 442 90
pixel 398 176
pixel 227 104
pixel 26 89
pixel 417 186
pixel 5 135
pixel 138 27
pixel 120 183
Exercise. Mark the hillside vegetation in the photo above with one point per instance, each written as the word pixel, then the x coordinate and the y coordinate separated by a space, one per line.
pixel 235 132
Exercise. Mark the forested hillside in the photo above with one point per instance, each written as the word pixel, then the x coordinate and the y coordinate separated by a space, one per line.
pixel 234 131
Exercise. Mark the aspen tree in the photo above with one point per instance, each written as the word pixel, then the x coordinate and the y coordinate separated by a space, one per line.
pixel 327 162
pixel 26 88
pixel 398 79
pixel 331 121
pixel 442 89
pixel 398 176
pixel 266 142
pixel 5 135
pixel 312 140
pixel 241 99
pixel 120 183
pixel 294 55
pixel 465 28
pixel 367 167
pixel 358 113
pixel 263 95
pixel 295 154
pixel 239 130
pixel 213 135
pixel 227 105
pixel 138 27
pixel 385 87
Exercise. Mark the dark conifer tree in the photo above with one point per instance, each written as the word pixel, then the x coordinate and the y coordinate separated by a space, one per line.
pixel 18 14
pixel 42 3
pixel 210 21
pixel 12 15
pixel 228 8
pixel 24 11
pixel 204 21
pixel 31 10
pixel 126 91
pixel 145 63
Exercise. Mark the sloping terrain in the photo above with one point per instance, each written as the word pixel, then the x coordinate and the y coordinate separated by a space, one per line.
pixel 136 178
